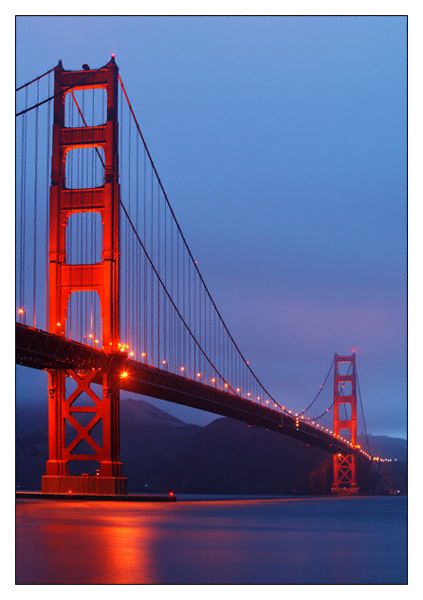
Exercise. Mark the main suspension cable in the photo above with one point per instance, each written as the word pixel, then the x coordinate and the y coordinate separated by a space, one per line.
pixel 362 413
pixel 334 400
pixel 64 91
pixel 320 391
pixel 246 364
pixel 160 281
pixel 34 80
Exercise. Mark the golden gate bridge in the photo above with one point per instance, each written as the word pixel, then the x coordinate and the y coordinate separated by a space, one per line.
pixel 109 293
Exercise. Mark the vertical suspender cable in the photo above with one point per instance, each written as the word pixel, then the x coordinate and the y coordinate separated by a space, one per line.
pixel 34 285
pixel 47 208
pixel 137 279
pixel 158 284
pixel 23 206
pixel 145 257
pixel 128 243
pixel 152 303
pixel 166 283
pixel 362 413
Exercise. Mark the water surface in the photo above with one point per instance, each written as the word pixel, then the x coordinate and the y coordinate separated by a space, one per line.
pixel 359 540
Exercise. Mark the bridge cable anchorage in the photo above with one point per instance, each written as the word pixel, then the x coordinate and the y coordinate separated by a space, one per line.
pixel 194 262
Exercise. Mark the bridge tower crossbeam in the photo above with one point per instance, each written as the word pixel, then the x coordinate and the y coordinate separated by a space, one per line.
pixel 65 411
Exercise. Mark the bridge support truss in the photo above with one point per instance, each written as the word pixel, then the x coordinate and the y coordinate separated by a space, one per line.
pixel 344 467
pixel 85 430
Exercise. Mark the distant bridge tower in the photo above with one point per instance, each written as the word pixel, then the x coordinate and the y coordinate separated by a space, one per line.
pixel 345 401
pixel 68 414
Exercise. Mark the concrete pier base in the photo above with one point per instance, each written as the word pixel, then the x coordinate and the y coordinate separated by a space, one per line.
pixel 97 497
pixel 345 491
pixel 83 484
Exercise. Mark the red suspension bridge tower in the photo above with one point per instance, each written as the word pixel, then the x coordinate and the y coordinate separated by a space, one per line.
pixel 66 412
pixel 345 399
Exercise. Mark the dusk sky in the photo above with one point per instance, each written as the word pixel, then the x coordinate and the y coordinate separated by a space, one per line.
pixel 281 143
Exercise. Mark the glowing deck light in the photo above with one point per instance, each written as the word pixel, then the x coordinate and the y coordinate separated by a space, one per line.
pixel 226 385
pixel 58 324
pixel 163 362
pixel 143 354
pixel 90 335
pixel 198 374
pixel 238 389
pixel 131 354
pixel 182 368
pixel 124 374
pixel 213 380
pixel 21 311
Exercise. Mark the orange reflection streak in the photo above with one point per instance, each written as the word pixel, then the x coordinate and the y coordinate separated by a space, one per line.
pixel 107 544
pixel 128 554
pixel 128 539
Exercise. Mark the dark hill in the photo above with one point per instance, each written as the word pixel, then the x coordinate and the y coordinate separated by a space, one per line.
pixel 229 457
pixel 151 444
pixel 161 453
pixel 385 447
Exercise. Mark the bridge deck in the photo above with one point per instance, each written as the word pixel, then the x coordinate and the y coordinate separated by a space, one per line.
pixel 38 349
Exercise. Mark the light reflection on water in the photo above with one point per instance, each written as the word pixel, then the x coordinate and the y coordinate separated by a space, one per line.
pixel 301 540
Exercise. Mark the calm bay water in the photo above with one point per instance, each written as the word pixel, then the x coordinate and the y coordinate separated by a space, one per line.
pixel 359 540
